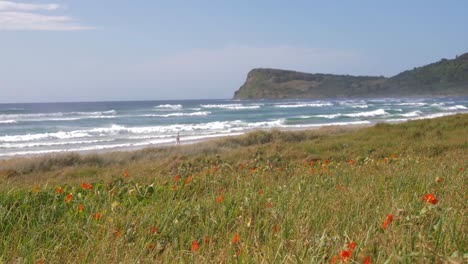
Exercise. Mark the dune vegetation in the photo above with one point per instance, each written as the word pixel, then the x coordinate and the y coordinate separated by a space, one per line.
pixel 381 194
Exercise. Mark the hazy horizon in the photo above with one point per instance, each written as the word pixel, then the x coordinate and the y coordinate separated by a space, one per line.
pixel 88 51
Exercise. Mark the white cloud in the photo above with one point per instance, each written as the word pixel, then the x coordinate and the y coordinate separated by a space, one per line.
pixel 8 5
pixel 24 16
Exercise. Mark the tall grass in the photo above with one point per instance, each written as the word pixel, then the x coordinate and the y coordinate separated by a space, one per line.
pixel 288 197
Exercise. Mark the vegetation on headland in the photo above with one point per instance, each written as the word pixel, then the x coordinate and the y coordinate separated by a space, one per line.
pixel 388 193
pixel 443 78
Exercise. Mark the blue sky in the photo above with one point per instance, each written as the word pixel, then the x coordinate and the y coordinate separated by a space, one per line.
pixel 88 50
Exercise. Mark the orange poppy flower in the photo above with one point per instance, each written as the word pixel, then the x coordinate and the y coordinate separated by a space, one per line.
pixel 174 188
pixel 68 198
pixel 235 239
pixel 367 260
pixel 150 246
pixel 275 228
pixel 80 208
pixel 260 192
pixel 219 198
pixel 269 205
pixel 333 260
pixel 176 178
pixel 84 185
pixel 352 245
pixel 58 190
pixel 188 180
pixel 345 254
pixel 326 161
pixel 195 246
pixel 387 221
pixel 117 232
pixel 242 166
pixel 206 240
pixel 430 198
pixel 238 252
pixel 97 216
pixel 125 173
pixel 350 161
pixel 385 160
pixel 35 189
pixel 153 230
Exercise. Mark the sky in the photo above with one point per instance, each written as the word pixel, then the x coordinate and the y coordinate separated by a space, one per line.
pixel 120 50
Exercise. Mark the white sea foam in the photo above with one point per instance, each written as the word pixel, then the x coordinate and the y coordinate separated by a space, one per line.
pixel 50 144
pixel 331 116
pixel 201 113
pixel 8 121
pixel 169 106
pixel 378 112
pixel 413 104
pixel 412 114
pixel 230 106
pixel 300 105
pixel 453 108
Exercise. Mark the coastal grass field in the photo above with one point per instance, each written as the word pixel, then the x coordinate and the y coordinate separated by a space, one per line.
pixel 381 194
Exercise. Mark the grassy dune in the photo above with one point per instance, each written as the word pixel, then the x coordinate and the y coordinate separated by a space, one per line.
pixel 383 194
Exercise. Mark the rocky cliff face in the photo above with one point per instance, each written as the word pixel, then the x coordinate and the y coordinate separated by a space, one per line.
pixel 443 78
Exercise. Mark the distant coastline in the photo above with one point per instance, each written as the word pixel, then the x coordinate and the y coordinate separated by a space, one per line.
pixel 447 77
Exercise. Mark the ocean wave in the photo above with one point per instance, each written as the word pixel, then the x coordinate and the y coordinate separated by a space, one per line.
pixel 50 144
pixel 378 112
pixel 303 105
pixel 351 123
pixel 412 104
pixel 201 113
pixel 331 116
pixel 453 108
pixel 230 106
pixel 169 106
pixel 8 121
pixel 59 116
pixel 411 114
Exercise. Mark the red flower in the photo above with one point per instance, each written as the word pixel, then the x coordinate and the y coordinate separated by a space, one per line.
pixel 150 246
pixel 188 180
pixel 387 221
pixel 385 160
pixel 58 190
pixel 350 161
pixel 153 230
pixel 97 216
pixel 326 161
pixel 195 246
pixel 238 252
pixel 219 198
pixel 236 239
pixel 125 174
pixel 176 178
pixel 117 232
pixel 333 260
pixel 68 198
pixel 242 166
pixel 80 208
pixel 275 228
pixel 367 260
pixel 352 245
pixel 260 192
pixel 270 205
pixel 345 254
pixel 206 241
pixel 84 185
pixel 430 198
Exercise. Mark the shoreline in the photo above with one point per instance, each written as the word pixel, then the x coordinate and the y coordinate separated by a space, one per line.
pixel 213 138
pixel 207 138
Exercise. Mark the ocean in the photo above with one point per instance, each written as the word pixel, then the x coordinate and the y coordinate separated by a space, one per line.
pixel 42 128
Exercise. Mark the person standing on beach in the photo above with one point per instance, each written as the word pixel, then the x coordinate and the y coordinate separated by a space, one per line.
pixel 178 138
